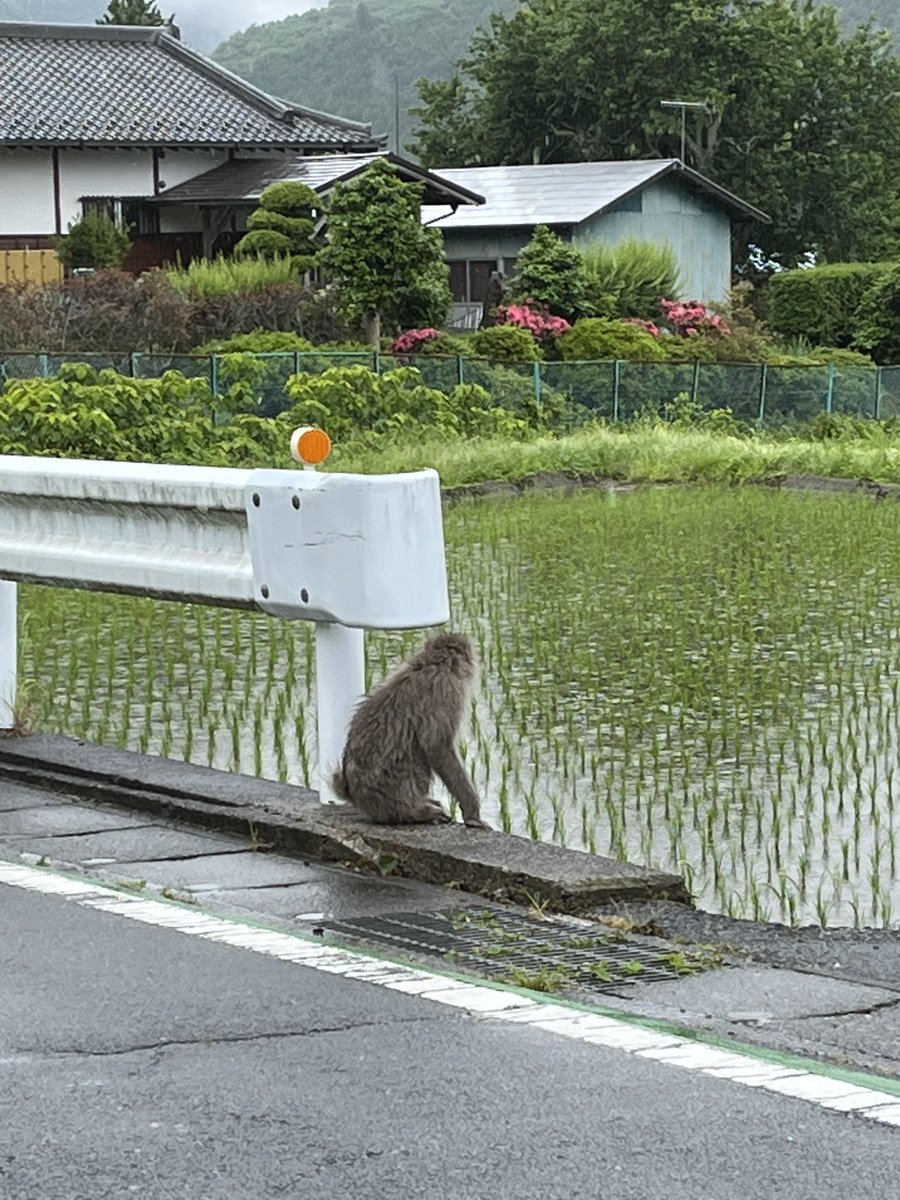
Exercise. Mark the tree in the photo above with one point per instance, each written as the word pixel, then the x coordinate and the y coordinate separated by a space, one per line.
pixel 550 270
pixel 131 12
pixel 284 224
pixel 803 121
pixel 390 270
pixel 94 241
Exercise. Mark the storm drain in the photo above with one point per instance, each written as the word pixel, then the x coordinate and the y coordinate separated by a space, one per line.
pixel 525 951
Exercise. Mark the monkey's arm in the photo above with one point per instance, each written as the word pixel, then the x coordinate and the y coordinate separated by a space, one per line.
pixel 445 762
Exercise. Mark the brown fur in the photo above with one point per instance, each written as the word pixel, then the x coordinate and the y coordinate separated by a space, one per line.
pixel 405 732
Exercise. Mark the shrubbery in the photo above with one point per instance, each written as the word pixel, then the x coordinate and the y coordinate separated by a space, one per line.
pixel 600 338
pixel 505 343
pixel 819 303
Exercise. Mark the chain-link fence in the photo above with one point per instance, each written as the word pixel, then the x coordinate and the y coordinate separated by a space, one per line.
pixel 617 391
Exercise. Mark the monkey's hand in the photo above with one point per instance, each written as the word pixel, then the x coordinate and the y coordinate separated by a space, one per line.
pixel 477 823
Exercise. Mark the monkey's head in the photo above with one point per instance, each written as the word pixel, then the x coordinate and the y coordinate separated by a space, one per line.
pixel 452 651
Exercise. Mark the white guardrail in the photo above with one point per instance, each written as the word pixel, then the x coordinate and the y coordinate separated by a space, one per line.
pixel 349 552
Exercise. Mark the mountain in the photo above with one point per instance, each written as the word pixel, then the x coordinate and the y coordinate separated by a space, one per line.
pixel 358 59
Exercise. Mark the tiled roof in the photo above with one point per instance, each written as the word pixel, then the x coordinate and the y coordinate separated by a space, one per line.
pixel 244 180
pixel 566 193
pixel 108 85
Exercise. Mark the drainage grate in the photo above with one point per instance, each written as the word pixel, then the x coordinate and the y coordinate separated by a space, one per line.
pixel 521 950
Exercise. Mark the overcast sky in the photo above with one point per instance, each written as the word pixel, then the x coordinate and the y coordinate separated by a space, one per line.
pixel 206 23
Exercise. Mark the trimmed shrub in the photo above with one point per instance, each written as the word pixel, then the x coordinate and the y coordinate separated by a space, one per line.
pixel 877 318
pixel 283 224
pixel 505 343
pixel 819 303
pixel 549 270
pixel 260 341
pixel 598 338
pixel 94 241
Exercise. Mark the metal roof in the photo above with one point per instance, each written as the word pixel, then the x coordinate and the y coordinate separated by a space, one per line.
pixel 244 180
pixel 118 85
pixel 566 193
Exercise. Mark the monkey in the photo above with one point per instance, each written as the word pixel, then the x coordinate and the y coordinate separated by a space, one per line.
pixel 404 732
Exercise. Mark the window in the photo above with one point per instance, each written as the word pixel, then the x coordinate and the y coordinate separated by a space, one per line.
pixel 469 279
pixel 129 212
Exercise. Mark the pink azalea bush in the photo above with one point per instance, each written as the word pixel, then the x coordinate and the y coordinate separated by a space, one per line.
pixel 537 319
pixel 689 318
pixel 413 340
pixel 647 326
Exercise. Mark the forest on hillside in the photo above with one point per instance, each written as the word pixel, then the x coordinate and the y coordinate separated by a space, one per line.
pixel 357 58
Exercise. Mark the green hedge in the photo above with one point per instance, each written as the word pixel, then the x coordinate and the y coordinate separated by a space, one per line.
pixel 819 303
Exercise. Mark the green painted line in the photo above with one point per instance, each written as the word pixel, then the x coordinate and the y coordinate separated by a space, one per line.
pixel 878 1083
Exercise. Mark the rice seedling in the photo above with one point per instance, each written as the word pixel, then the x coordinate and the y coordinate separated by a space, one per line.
pixel 706 680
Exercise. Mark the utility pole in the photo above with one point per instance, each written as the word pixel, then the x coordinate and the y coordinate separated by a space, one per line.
pixel 684 105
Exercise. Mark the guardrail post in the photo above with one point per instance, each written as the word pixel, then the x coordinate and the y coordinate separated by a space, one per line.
pixel 8 654
pixel 340 685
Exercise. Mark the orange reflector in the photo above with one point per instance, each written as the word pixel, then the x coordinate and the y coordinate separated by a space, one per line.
pixel 310 446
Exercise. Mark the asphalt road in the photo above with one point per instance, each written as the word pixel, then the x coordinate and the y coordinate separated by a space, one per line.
pixel 136 1060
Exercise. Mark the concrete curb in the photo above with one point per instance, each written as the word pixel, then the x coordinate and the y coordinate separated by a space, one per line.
pixel 290 819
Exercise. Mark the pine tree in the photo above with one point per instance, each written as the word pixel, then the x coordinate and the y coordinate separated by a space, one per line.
pixel 131 12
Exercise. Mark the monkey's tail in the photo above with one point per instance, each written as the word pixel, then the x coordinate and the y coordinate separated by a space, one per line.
pixel 339 784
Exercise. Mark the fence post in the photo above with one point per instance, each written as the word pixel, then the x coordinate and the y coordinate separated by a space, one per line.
pixel 460 370
pixel 296 362
pixel 762 395
pixel 829 396
pixel 45 366
pixel 537 385
pixel 616 365
pixel 8 654
pixel 376 362
pixel 132 363
pixel 340 682
pixel 695 387
pixel 878 385
pixel 214 374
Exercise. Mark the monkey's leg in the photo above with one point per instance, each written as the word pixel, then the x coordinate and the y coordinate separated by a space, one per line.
pixel 454 776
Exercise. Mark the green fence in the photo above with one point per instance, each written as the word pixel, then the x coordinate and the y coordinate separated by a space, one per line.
pixel 618 391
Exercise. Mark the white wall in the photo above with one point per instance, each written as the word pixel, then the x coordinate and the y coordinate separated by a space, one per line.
pixel 26 181
pixel 26 192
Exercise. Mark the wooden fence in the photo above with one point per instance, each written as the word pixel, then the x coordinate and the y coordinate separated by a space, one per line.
pixel 29 266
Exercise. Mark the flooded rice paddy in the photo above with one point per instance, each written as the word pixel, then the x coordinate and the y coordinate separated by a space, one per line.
pixel 705 680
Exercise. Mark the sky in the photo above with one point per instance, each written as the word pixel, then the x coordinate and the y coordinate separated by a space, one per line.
pixel 204 23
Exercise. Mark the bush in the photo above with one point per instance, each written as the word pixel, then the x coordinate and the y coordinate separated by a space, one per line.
pixel 287 307
pixel 283 224
pixel 260 341
pixel 598 338
pixel 549 270
pixel 877 318
pixel 348 401
pixel 628 279
pixel 819 303
pixel 505 343
pixel 540 323
pixel 94 241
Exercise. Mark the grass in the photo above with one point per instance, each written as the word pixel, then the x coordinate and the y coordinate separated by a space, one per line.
pixel 706 680
pixel 636 453
pixel 224 276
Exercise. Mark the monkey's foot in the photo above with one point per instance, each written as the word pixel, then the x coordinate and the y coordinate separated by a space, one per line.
pixel 477 823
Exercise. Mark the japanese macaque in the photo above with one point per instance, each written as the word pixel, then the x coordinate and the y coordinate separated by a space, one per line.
pixel 405 732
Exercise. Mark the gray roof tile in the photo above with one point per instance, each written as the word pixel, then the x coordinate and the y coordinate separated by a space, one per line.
pixel 129 86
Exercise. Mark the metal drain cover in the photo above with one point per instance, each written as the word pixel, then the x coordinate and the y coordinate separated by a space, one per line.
pixel 524 951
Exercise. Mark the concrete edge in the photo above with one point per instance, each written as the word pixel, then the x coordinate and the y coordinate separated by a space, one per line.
pixel 566 881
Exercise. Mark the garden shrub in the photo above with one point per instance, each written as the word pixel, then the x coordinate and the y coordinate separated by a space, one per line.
pixel 259 341
pixel 428 341
pixel 94 241
pixel 221 276
pixel 284 224
pixel 629 278
pixel 348 401
pixel 818 303
pixel 877 318
pixel 599 338
pixel 549 270
pixel 505 343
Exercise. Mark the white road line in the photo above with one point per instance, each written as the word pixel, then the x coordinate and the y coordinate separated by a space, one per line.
pixel 480 999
